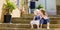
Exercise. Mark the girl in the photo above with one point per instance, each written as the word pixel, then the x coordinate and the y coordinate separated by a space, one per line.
pixel 36 19
pixel 44 17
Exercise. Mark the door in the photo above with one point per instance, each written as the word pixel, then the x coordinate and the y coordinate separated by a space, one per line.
pixel 58 6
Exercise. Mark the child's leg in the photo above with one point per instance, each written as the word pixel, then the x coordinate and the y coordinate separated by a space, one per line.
pixel 31 23
pixel 37 26
pixel 37 23
pixel 41 26
pixel 41 22
pixel 48 23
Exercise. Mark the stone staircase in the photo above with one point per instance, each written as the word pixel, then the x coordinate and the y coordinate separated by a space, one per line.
pixel 23 23
pixel 19 26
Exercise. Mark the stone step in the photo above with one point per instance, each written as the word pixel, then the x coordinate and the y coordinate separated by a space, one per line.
pixel 44 26
pixel 28 18
pixel 29 29
pixel 28 21
pixel 53 20
pixel 19 25
pixel 31 15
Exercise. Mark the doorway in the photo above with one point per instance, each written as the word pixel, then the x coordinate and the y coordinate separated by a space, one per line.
pixel 58 6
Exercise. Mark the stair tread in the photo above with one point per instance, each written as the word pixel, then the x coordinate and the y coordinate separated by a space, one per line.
pixel 21 24
pixel 31 29
pixel 33 16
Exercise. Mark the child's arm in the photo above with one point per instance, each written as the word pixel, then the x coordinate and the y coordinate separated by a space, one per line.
pixel 40 17
pixel 34 18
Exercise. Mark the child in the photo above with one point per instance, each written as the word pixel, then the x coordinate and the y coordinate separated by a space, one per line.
pixel 36 19
pixel 44 17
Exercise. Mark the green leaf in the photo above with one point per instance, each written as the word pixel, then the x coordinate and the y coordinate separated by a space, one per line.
pixel 40 6
pixel 9 6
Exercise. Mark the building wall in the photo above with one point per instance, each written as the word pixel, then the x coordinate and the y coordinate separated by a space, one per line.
pixel 49 5
pixel 15 13
pixel 1 4
pixel 40 2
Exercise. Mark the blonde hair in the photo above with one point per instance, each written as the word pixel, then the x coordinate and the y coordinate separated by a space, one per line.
pixel 36 11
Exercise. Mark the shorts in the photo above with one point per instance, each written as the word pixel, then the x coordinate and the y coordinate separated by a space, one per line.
pixel 44 21
pixel 35 22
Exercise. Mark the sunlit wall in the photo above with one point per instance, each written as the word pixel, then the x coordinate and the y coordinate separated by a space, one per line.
pixel 1 4
pixel 15 13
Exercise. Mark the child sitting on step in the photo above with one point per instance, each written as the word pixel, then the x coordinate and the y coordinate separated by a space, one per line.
pixel 36 19
pixel 44 18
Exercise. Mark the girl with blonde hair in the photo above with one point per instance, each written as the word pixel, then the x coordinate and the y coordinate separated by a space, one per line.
pixel 36 19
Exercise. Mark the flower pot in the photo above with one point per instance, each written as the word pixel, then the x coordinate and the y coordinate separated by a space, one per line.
pixel 7 18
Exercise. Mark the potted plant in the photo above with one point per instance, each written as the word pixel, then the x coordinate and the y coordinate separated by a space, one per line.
pixel 40 6
pixel 8 7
